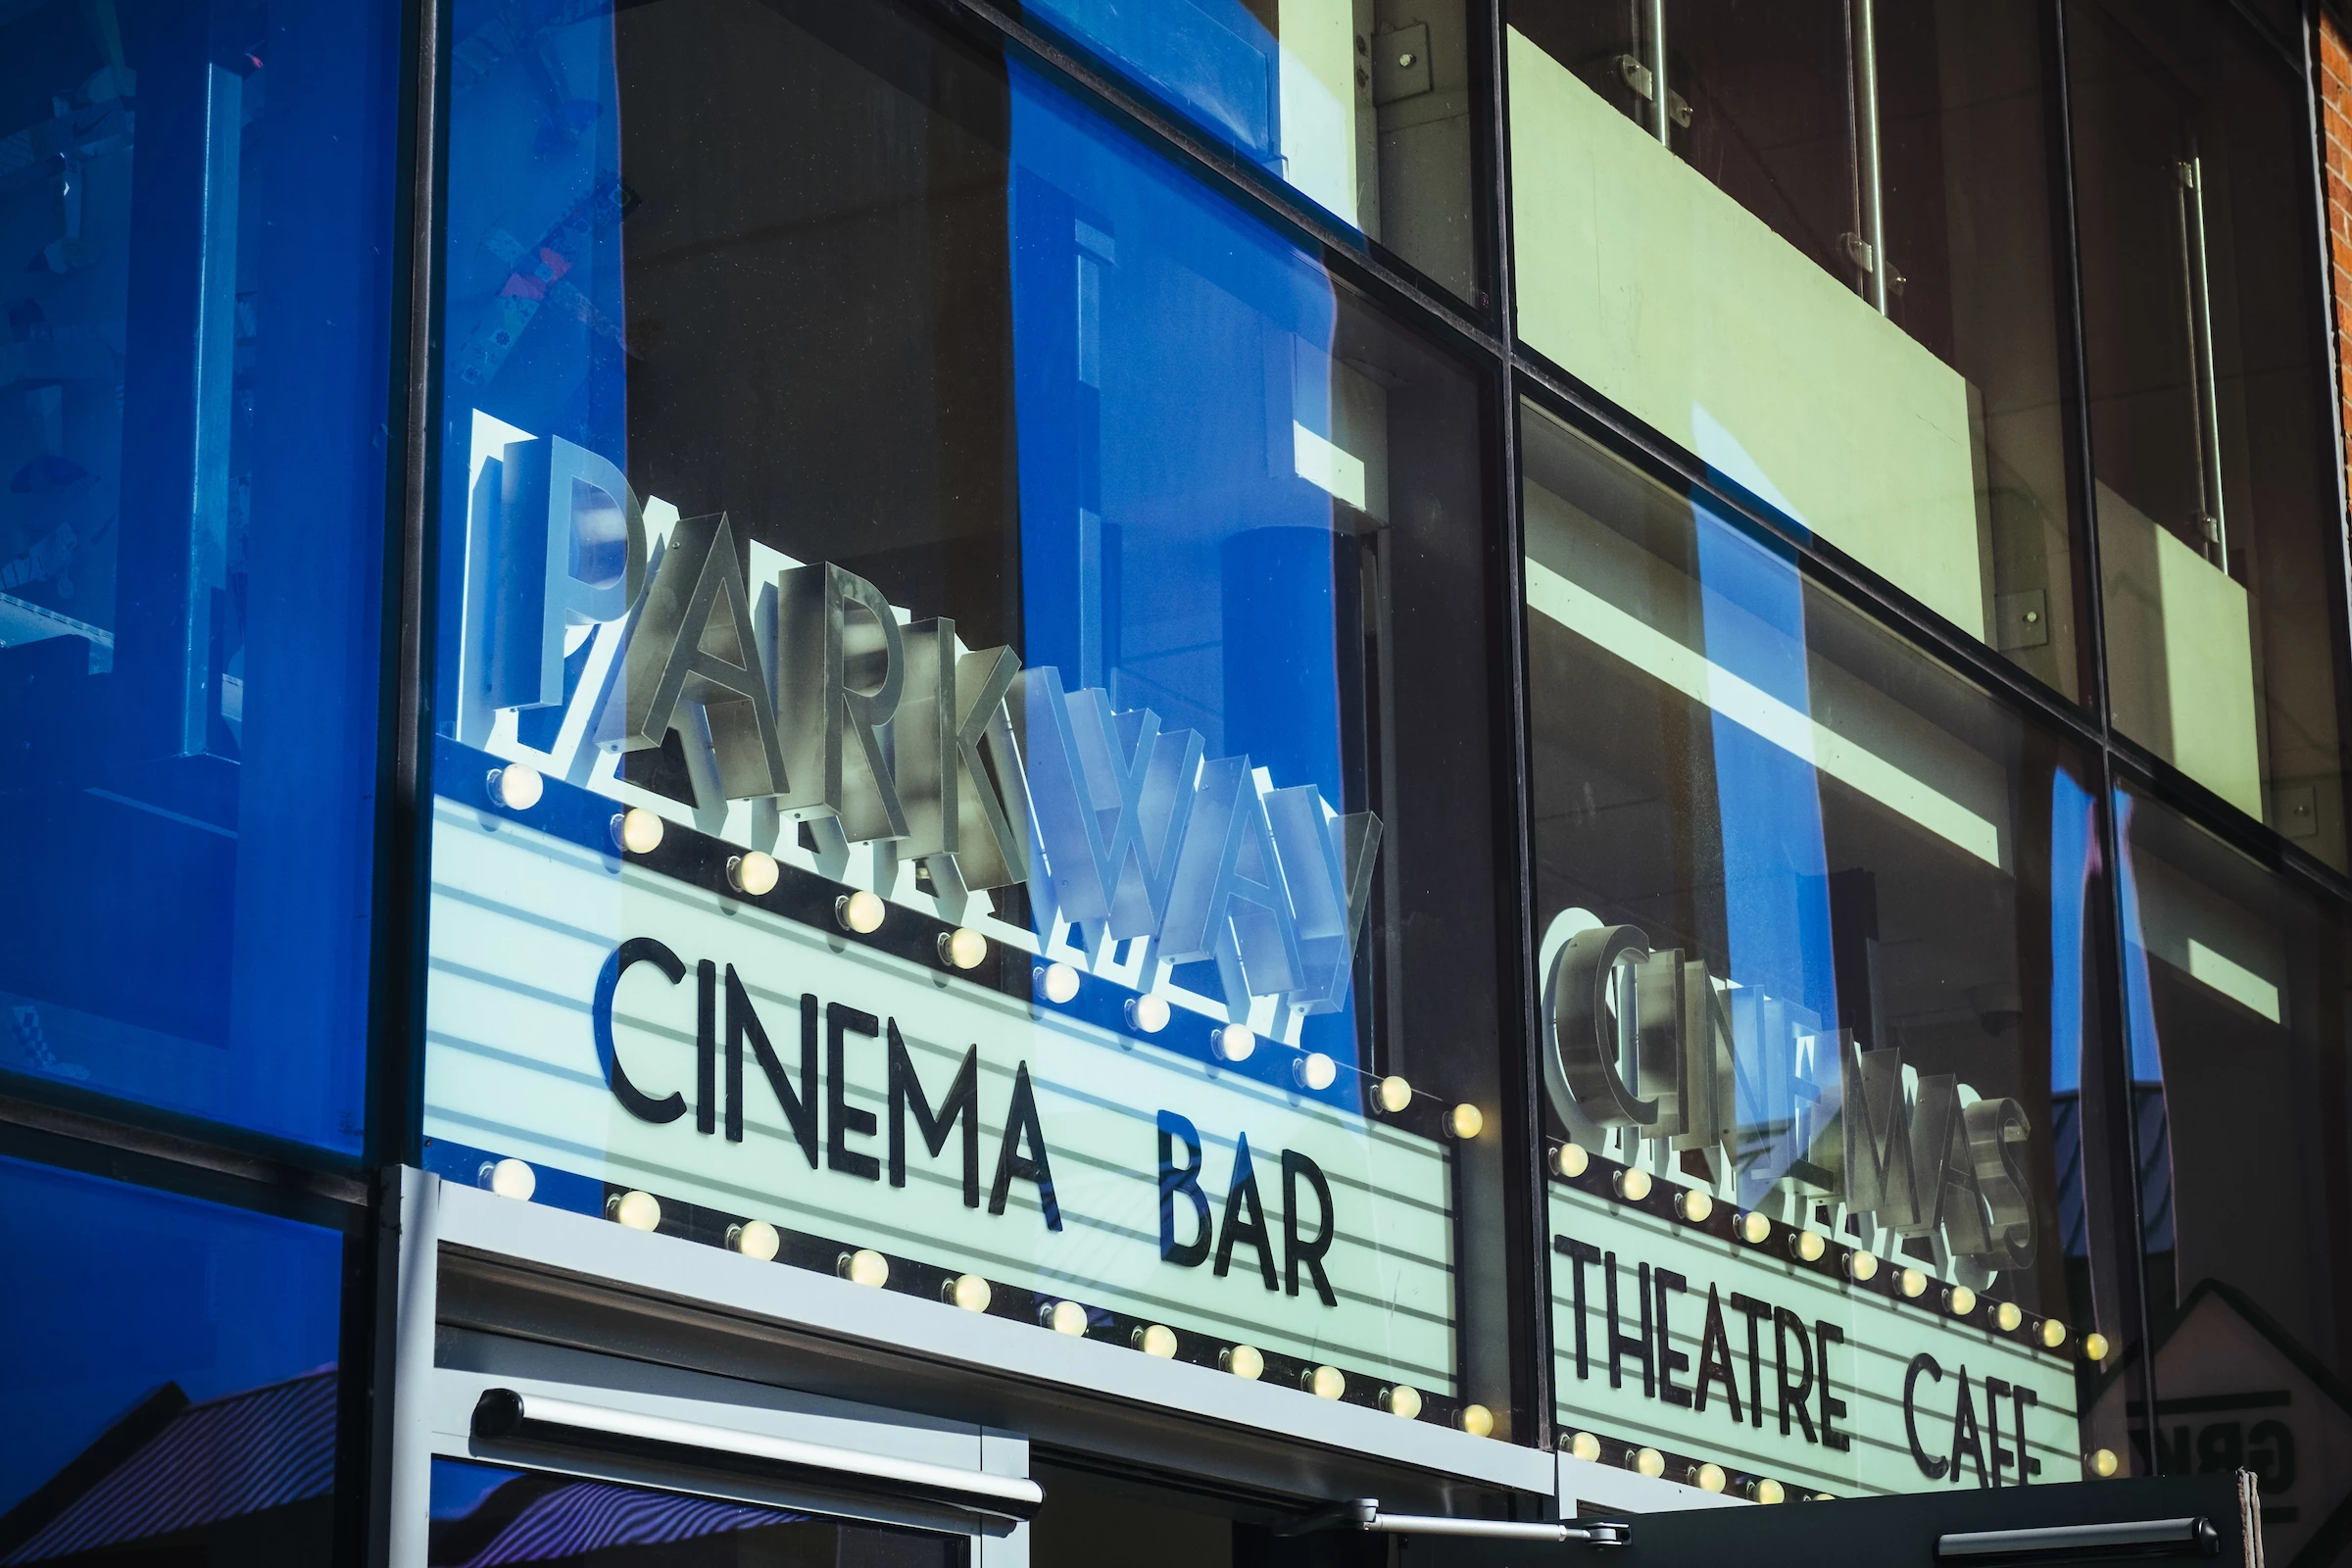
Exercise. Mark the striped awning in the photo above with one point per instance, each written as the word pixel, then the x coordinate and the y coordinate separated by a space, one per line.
pixel 568 1519
pixel 238 1454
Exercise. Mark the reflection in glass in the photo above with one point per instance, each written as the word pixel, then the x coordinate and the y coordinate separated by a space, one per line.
pixel 171 1389
pixel 2234 999
pixel 195 232
pixel 486 1516
pixel 1826 906
pixel 1362 105
pixel 1718 207
pixel 2218 531
pixel 935 601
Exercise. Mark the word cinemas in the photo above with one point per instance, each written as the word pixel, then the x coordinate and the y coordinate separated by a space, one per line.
pixel 798 688
pixel 1644 1044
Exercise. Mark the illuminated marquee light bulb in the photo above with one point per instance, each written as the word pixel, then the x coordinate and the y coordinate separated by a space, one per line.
pixel 1065 1317
pixel 1707 1477
pixel 1571 1160
pixel 1394 1094
pixel 864 1266
pixel 755 871
pixel 1806 1246
pixel 2008 1315
pixel 1147 1014
pixel 510 1178
pixel 2054 1333
pixel 756 1239
pixel 962 948
pixel 639 1211
pixel 1913 1283
pixel 637 830
pixel 1323 1381
pixel 1692 1205
pixel 2101 1463
pixel 1753 1228
pixel 1158 1341
pixel 969 1292
pixel 1861 1265
pixel 1467 1121
pixel 1765 1490
pixel 1960 1300
pixel 1314 1072
pixel 1648 1462
pixel 1403 1401
pixel 516 786
pixel 1233 1042
pixel 1243 1361
pixel 1632 1185
pixel 1477 1420
pixel 860 911
pixel 1586 1447
pixel 2095 1347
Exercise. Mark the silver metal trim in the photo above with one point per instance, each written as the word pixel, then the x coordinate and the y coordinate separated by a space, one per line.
pixel 1364 1514
pixel 2189 1536
pixel 2204 386
pixel 1653 45
pixel 1869 183
pixel 511 1415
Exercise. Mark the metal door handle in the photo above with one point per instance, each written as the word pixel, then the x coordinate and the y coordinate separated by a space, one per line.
pixel 2138 1538
pixel 1364 1513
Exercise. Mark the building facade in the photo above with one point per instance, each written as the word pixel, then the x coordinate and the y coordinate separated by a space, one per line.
pixel 1249 781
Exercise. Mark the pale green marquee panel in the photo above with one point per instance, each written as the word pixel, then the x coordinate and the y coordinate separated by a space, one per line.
pixel 1668 298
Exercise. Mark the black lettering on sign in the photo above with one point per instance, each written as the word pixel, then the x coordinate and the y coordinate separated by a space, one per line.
pixel 842 1020
pixel 1295 1167
pixel 798 1105
pixel 1715 1358
pixel 963 1104
pixel 1792 1394
pixel 1578 1253
pixel 1185 1179
pixel 1827 1334
pixel 1966 1436
pixel 633 1100
pixel 1996 1451
pixel 1021 1125
pixel 1240 1194
pixel 1623 1344
pixel 1756 1312
pixel 1670 1359
pixel 1932 1466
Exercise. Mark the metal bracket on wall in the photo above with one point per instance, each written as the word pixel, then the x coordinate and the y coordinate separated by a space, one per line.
pixel 1363 1513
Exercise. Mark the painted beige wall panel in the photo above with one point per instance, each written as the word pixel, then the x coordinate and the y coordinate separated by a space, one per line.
pixel 1668 297
pixel 2180 654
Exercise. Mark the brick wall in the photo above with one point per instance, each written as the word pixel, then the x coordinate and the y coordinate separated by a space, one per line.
pixel 2335 126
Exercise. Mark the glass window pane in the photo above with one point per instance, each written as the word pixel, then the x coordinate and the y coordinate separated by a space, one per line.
pixel 2220 537
pixel 487 1513
pixel 1363 106
pixel 170 1387
pixel 1720 206
pixel 1814 916
pixel 196 221
pixel 1078 743
pixel 2235 986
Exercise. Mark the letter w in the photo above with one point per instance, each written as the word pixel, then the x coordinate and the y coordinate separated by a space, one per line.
pixel 1878 1175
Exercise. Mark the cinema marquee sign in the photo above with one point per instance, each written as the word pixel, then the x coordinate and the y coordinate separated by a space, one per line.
pixel 1741 1350
pixel 591 1014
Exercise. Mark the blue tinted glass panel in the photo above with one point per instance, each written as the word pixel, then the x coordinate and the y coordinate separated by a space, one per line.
pixel 1362 106
pixel 816 381
pixel 170 1382
pixel 195 204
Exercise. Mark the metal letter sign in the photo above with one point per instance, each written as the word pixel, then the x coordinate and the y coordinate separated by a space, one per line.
pixel 588 1012
pixel 1739 1331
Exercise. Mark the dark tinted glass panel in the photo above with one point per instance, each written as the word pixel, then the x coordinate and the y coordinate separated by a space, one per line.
pixel 1720 205
pixel 195 229
pixel 2220 538
pixel 485 1514
pixel 172 1392
pixel 997 414
pixel 2235 987
pixel 1813 915
pixel 1363 106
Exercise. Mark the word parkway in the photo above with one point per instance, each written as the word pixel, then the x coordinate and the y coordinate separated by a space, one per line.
pixel 808 694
